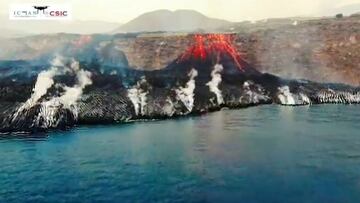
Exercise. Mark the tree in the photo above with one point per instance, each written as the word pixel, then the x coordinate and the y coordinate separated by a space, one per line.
pixel 340 15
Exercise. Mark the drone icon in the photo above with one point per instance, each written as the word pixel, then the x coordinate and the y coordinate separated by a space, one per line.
pixel 41 8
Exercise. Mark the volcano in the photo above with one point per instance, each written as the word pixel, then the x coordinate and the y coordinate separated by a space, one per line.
pixel 213 46
pixel 163 20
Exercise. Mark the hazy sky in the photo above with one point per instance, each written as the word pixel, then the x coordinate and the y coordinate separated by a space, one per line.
pixel 233 10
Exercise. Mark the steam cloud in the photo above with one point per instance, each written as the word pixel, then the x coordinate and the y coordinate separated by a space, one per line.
pixel 186 94
pixel 50 108
pixel 288 98
pixel 215 81
pixel 138 97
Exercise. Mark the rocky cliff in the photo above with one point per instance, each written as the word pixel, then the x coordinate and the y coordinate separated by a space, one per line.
pixel 88 85
pixel 324 50
pixel 58 81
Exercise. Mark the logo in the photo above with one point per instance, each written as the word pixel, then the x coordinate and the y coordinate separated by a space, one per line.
pixel 39 12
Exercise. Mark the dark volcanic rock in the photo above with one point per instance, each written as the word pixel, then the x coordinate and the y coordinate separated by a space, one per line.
pixel 68 93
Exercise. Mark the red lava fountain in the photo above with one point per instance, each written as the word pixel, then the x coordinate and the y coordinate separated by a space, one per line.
pixel 204 45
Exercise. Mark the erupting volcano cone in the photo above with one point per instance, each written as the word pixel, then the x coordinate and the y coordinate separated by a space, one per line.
pixel 213 47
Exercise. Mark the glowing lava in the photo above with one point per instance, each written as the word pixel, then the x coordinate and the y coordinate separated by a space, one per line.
pixel 210 45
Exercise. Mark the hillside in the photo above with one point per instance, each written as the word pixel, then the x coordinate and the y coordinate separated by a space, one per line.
pixel 324 50
pixel 165 20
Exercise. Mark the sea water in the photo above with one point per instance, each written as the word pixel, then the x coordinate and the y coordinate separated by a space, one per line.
pixel 260 154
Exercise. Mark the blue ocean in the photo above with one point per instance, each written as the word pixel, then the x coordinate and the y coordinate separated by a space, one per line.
pixel 260 154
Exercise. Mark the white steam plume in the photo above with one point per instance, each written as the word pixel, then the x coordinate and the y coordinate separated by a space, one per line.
pixel 138 97
pixel 68 100
pixel 186 94
pixel 49 109
pixel 285 96
pixel 43 82
pixel 291 99
pixel 72 94
pixel 253 93
pixel 215 81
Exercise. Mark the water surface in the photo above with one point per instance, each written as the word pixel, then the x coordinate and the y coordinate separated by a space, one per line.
pixel 260 154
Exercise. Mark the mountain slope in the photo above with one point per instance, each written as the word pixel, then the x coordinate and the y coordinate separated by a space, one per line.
pixel 346 10
pixel 165 20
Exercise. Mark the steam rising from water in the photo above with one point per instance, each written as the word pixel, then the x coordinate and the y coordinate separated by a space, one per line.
pixel 253 93
pixel 72 94
pixel 186 94
pixel 285 96
pixel 288 98
pixel 215 81
pixel 138 97
pixel 47 115
pixel 45 81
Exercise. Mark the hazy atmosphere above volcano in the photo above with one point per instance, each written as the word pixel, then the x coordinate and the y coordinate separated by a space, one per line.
pixel 122 11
